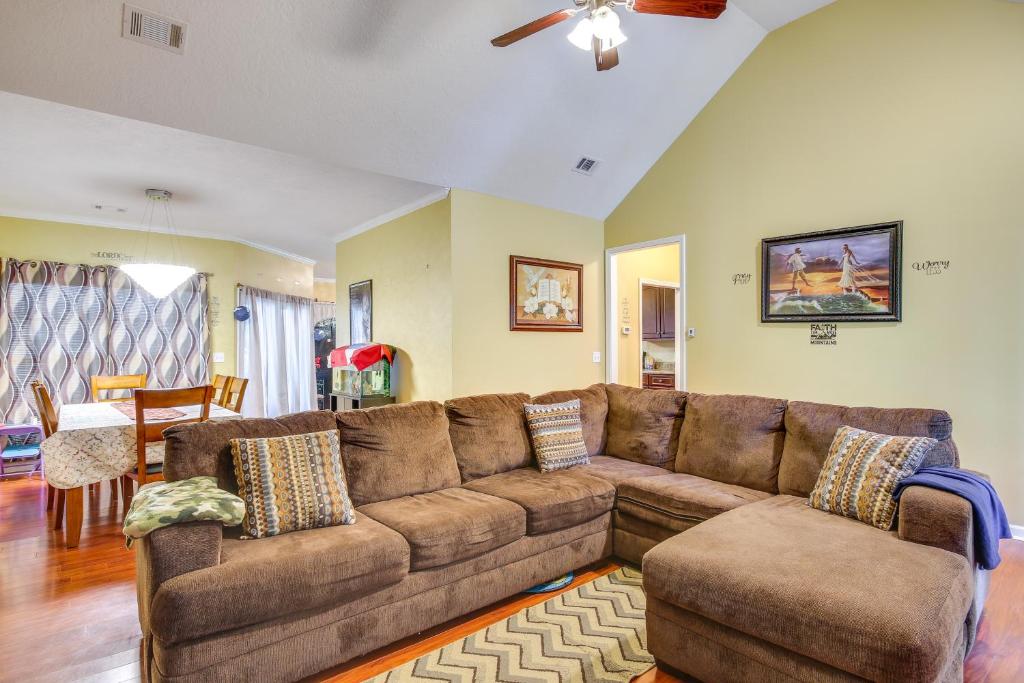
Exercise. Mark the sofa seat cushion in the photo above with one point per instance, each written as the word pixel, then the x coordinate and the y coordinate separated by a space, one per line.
pixel 678 501
pixel 826 587
pixel 450 525
pixel 616 470
pixel 260 580
pixel 552 500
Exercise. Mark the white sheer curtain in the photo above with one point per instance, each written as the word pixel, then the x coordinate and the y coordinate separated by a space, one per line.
pixel 275 352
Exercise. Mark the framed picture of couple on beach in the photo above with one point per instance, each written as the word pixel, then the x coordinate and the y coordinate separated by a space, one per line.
pixel 847 275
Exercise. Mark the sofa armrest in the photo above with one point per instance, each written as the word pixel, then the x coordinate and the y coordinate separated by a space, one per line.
pixel 937 518
pixel 171 551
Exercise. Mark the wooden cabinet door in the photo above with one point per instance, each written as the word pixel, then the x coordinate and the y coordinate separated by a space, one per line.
pixel 651 312
pixel 668 313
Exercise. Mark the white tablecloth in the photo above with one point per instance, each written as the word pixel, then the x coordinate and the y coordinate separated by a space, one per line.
pixel 95 442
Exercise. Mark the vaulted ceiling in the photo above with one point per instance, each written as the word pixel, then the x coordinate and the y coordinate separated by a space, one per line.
pixel 293 123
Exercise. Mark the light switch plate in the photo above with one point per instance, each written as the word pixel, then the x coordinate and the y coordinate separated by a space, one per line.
pixel 692 332
pixel 218 357
pixel 597 356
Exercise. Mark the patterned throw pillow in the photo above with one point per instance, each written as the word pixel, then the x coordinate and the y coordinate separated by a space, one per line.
pixel 861 473
pixel 290 483
pixel 557 435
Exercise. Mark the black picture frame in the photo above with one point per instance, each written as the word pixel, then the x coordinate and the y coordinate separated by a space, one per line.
pixel 894 305
pixel 360 312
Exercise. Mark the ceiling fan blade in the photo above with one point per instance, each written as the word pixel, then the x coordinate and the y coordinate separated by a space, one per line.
pixel 533 27
pixel 701 9
pixel 609 59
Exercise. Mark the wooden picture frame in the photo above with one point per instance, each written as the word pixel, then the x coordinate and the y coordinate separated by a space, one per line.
pixel 846 275
pixel 545 295
pixel 360 312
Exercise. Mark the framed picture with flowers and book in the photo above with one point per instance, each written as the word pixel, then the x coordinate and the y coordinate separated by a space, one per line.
pixel 545 295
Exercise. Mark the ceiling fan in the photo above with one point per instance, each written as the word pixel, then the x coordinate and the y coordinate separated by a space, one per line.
pixel 599 30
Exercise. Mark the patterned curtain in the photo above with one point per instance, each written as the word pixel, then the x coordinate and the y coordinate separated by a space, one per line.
pixel 168 339
pixel 64 323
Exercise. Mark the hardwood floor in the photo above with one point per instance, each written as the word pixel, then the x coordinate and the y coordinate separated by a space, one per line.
pixel 70 615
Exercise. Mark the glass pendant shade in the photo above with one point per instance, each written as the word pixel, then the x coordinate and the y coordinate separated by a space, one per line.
pixel 583 35
pixel 159 279
pixel 604 25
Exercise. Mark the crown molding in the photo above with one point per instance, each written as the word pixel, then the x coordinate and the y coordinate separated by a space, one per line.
pixel 128 225
pixel 395 214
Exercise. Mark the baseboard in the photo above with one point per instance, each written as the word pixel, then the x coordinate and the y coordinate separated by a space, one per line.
pixel 1018 531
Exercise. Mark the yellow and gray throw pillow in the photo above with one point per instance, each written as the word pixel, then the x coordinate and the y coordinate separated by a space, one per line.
pixel 861 473
pixel 291 483
pixel 557 435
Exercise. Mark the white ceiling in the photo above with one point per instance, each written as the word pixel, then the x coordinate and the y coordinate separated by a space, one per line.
pixel 376 103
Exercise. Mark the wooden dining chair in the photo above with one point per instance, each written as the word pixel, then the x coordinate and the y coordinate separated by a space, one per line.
pixel 233 393
pixel 48 420
pixel 219 382
pixel 153 431
pixel 115 383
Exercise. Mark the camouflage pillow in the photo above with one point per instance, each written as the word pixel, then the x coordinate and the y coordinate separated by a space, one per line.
pixel 164 503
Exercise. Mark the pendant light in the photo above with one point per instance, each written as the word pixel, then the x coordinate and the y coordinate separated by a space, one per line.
pixel 159 279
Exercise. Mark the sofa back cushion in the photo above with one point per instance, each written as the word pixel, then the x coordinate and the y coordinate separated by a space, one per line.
pixel 489 434
pixel 204 449
pixel 643 424
pixel 733 439
pixel 593 412
pixel 811 427
pixel 398 450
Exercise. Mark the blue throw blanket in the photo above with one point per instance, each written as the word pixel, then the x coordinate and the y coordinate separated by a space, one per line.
pixel 990 523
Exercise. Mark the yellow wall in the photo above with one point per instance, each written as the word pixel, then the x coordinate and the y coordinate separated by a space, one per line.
pixel 325 290
pixel 227 262
pixel 656 263
pixel 409 261
pixel 487 356
pixel 865 111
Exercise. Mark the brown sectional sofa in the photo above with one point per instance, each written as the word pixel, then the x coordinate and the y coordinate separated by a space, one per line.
pixel 452 515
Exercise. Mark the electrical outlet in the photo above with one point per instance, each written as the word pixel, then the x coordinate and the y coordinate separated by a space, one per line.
pixel 218 357
pixel 597 356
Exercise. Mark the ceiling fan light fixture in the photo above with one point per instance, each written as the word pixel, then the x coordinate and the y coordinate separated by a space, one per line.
pixel 583 35
pixel 605 23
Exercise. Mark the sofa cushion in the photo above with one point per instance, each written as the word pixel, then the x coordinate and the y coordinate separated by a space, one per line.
pixel 863 469
pixel 552 500
pixel 259 580
pixel 810 428
pixel 593 412
pixel 396 450
pixel 556 435
pixel 733 439
pixel 616 470
pixel 203 449
pixel 643 424
pixel 679 501
pixel 447 526
pixel 826 587
pixel 489 434
pixel 290 483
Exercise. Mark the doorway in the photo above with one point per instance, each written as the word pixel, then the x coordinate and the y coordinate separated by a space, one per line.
pixel 646 313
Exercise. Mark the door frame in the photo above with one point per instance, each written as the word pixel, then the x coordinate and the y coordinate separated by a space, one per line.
pixel 612 311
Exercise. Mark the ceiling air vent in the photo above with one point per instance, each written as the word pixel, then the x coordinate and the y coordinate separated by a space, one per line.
pixel 153 29
pixel 586 166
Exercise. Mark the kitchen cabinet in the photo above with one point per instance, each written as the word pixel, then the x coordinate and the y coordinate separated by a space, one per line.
pixel 659 380
pixel 658 312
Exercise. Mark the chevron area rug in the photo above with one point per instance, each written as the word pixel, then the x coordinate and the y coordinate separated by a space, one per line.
pixel 594 633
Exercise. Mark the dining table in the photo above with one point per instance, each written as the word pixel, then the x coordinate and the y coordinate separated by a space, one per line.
pixel 95 442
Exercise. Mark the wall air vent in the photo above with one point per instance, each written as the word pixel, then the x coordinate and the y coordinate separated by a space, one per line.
pixel 586 166
pixel 153 29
